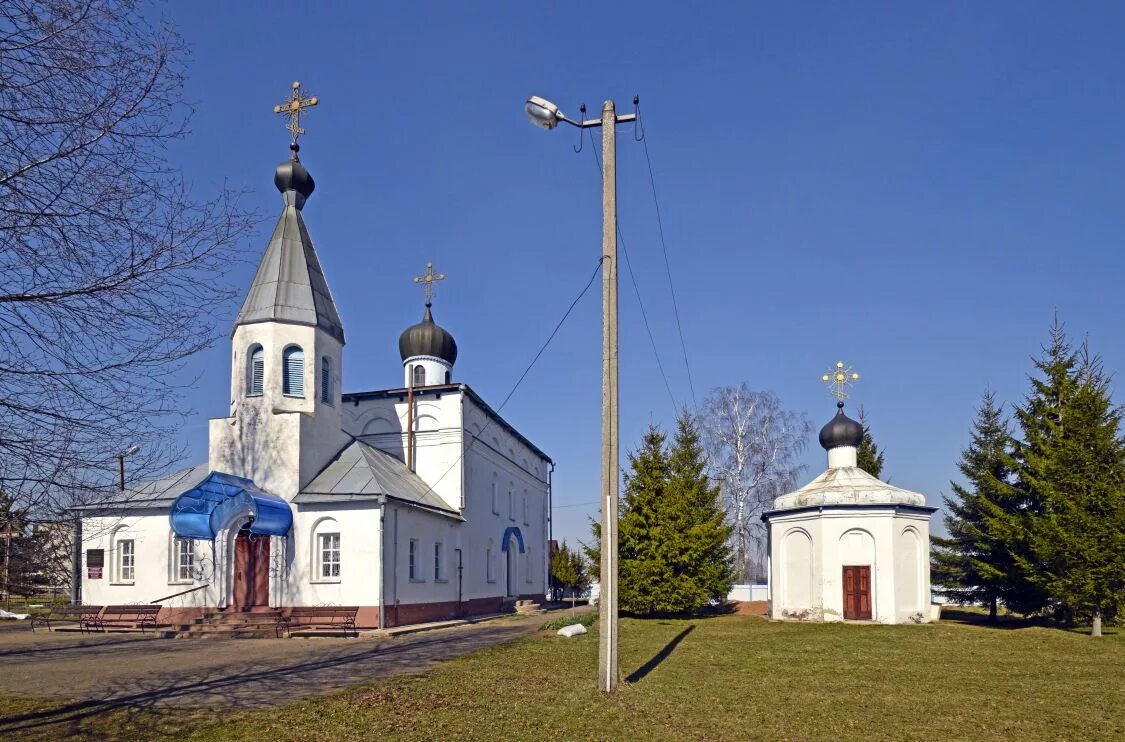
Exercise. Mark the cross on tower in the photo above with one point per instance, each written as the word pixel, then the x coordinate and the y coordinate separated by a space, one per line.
pixel 839 379
pixel 292 108
pixel 427 280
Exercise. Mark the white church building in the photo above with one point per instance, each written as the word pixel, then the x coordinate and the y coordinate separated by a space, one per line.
pixel 848 546
pixel 415 503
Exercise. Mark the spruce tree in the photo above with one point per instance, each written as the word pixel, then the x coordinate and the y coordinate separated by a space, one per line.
pixel 697 537
pixel 1077 544
pixel 673 542
pixel 868 456
pixel 973 565
pixel 1040 419
pixel 569 571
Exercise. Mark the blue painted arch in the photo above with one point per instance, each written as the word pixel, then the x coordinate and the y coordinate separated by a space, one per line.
pixel 208 507
pixel 512 531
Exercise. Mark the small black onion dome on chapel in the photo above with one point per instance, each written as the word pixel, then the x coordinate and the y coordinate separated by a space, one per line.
pixel 427 339
pixel 841 430
pixel 291 175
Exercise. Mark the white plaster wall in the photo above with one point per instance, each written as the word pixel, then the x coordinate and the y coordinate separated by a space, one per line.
pixel 280 442
pixel 404 523
pixel 153 578
pixel 358 584
pixel 876 531
pixel 436 370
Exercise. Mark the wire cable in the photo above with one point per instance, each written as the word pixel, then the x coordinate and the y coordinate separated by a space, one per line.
pixel 640 302
pixel 523 376
pixel 668 270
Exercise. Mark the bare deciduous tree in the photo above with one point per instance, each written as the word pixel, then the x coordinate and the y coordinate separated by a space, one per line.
pixel 752 445
pixel 111 271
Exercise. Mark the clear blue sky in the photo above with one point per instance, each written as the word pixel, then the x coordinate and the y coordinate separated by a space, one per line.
pixel 912 190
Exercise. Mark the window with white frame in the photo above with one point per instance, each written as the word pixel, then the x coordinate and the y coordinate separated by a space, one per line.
pixel 328 556
pixel 184 550
pixel 419 374
pixel 495 502
pixel 255 370
pixel 525 508
pixel 414 572
pixel 439 561
pixel 511 506
pixel 126 560
pixel 489 563
pixel 293 371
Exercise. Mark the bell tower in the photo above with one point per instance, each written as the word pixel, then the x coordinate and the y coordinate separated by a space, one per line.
pixel 286 350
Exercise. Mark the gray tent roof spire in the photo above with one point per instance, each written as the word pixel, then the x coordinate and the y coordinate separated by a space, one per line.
pixel 289 285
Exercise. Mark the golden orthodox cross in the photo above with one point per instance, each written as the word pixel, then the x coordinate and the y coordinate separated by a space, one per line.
pixel 293 108
pixel 427 280
pixel 839 379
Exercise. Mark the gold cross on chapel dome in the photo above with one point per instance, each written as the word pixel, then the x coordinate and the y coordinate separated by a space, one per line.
pixel 427 280
pixel 839 379
pixel 293 108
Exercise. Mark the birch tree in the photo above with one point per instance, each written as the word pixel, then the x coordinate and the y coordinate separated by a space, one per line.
pixel 752 444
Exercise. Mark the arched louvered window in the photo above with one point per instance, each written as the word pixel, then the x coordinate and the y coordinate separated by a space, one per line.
pixel 255 368
pixel 419 375
pixel 325 380
pixel 293 371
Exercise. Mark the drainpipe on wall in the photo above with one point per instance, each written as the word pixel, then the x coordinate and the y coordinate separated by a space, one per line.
pixel 459 571
pixel 548 581
pixel 76 562
pixel 394 563
pixel 382 563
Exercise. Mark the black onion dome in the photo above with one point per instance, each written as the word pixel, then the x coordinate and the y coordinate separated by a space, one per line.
pixel 427 339
pixel 291 175
pixel 841 431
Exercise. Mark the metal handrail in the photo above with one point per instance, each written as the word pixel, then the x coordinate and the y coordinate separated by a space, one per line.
pixel 185 592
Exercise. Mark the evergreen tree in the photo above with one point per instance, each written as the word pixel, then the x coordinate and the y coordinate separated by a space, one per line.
pixel 868 456
pixel 973 565
pixel 1040 420
pixel 673 542
pixel 1077 544
pixel 569 571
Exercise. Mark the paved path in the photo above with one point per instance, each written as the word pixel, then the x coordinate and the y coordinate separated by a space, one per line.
pixel 100 672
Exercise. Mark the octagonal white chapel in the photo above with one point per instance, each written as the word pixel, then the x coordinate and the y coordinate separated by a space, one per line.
pixel 848 546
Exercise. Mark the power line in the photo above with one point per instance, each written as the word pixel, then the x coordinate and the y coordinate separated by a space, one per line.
pixel 668 270
pixel 640 302
pixel 523 376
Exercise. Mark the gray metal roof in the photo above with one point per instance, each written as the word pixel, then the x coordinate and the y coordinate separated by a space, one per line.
pixel 363 472
pixel 154 493
pixel 289 285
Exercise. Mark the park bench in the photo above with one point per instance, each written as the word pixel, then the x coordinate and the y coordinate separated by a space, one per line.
pixel 330 617
pixel 83 615
pixel 131 616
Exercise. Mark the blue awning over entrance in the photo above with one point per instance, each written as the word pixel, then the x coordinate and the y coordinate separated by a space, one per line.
pixel 207 508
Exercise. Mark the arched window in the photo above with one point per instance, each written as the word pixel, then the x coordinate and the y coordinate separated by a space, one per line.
pixel 293 371
pixel 325 380
pixel 255 369
pixel 419 375
pixel 327 562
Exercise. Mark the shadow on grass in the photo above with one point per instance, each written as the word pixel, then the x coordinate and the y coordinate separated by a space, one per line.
pixel 1010 622
pixel 659 657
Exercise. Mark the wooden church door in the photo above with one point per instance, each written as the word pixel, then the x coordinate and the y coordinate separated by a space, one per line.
pixel 857 593
pixel 251 586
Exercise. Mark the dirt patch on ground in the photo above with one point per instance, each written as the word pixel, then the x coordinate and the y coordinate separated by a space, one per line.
pixel 750 607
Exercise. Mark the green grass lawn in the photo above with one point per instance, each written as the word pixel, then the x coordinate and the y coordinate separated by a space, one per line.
pixel 718 678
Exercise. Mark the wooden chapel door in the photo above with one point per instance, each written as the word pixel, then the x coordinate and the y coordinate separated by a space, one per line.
pixel 857 593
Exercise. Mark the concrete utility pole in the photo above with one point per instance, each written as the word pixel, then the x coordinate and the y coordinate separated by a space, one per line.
pixel 607 601
pixel 546 115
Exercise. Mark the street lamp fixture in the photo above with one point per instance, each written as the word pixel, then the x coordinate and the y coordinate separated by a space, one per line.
pixel 121 465
pixel 546 115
